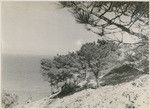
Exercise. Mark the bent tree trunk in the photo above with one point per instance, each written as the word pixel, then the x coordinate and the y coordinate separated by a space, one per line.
pixel 51 85
pixel 51 89
pixel 96 76
pixel 97 82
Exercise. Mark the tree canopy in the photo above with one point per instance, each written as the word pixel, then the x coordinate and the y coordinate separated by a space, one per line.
pixel 60 68
pixel 99 55
pixel 93 56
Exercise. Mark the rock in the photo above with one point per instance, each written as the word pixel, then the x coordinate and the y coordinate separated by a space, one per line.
pixel 134 84
pixel 92 84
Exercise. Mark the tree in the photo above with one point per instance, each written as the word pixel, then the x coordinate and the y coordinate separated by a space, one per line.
pixel 9 100
pixel 49 72
pixel 61 68
pixel 108 19
pixel 93 56
pixel 99 55
pixel 67 64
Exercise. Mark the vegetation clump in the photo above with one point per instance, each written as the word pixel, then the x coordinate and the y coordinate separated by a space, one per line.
pixel 9 100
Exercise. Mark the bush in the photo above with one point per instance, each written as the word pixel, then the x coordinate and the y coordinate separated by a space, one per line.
pixel 9 100
pixel 67 89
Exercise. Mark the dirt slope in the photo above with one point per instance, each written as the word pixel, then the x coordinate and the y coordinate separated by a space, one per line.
pixel 133 94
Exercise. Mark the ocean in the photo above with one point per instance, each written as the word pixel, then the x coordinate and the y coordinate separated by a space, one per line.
pixel 20 74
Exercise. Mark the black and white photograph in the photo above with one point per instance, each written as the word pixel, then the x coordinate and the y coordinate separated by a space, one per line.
pixel 75 54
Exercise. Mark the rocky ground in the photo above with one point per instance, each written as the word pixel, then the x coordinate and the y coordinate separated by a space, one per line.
pixel 133 94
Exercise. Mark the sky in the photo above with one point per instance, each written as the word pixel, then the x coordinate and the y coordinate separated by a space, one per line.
pixel 40 28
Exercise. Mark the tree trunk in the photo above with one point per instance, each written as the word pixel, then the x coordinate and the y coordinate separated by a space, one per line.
pixel 96 76
pixel 85 73
pixel 97 82
pixel 57 86
pixel 51 86
pixel 51 90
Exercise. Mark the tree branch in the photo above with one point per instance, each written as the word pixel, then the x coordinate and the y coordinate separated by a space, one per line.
pixel 123 28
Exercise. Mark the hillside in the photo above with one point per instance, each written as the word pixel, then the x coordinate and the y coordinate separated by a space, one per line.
pixel 133 94
pixel 121 86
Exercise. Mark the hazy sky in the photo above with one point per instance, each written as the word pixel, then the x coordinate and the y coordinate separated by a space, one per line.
pixel 40 28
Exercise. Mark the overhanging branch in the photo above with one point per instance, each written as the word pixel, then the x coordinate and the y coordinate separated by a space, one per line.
pixel 123 28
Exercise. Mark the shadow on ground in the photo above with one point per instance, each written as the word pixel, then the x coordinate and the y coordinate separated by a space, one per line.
pixel 125 73
pixel 68 90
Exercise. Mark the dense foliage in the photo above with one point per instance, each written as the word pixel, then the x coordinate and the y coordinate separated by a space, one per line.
pixel 93 57
pixel 99 56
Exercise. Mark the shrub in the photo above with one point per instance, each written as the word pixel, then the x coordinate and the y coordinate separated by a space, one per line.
pixel 9 100
pixel 67 89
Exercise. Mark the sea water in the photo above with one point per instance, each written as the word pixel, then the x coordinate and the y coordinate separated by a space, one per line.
pixel 20 74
